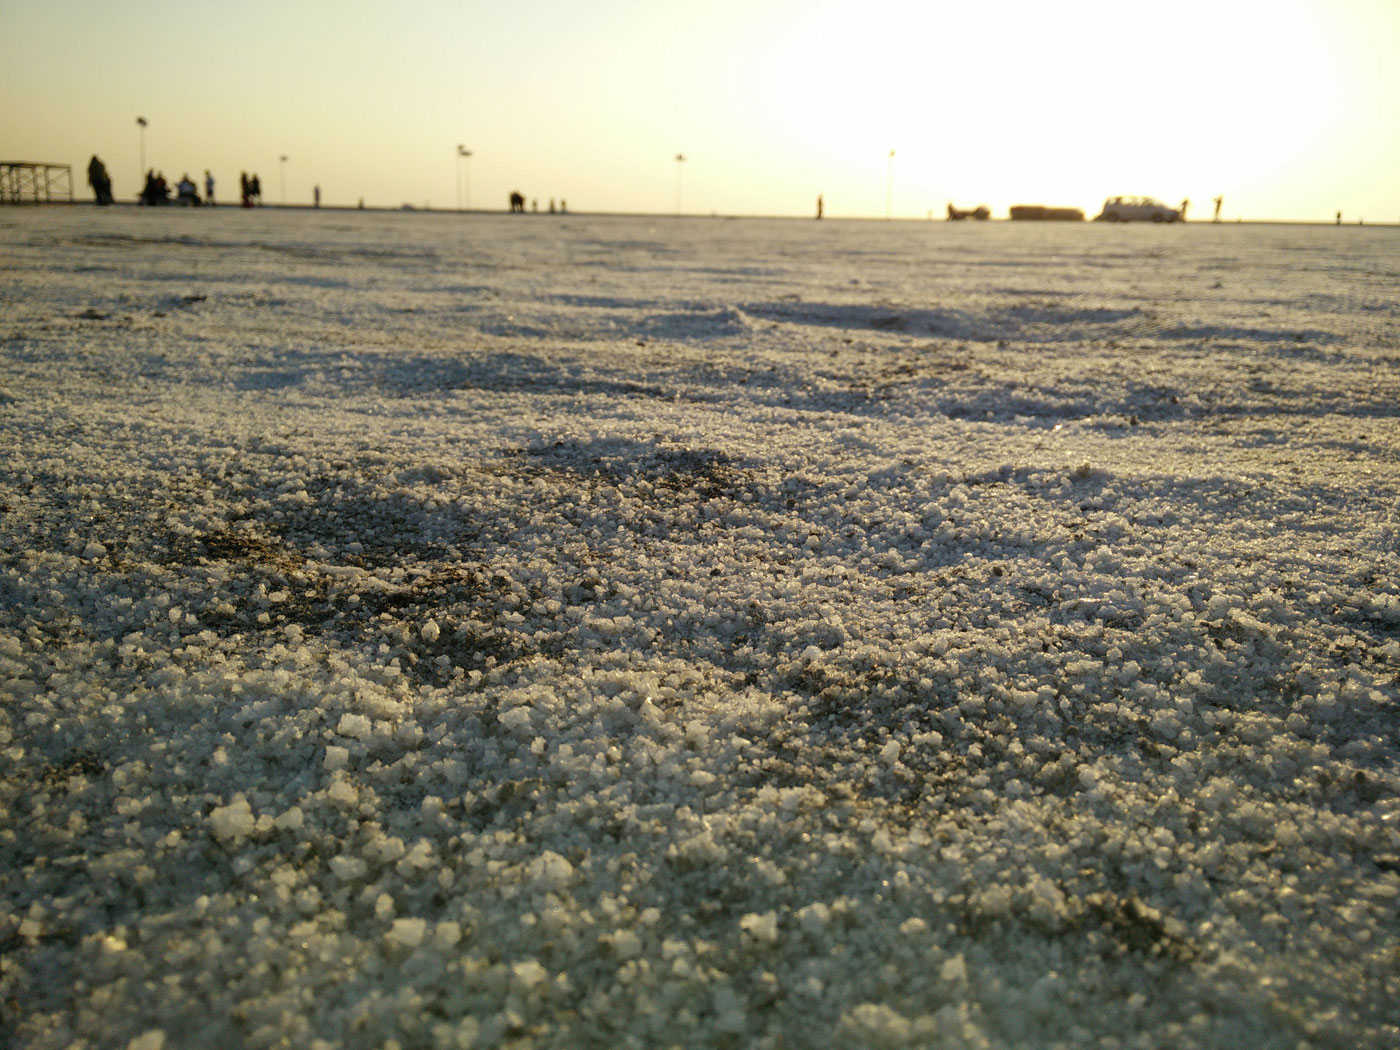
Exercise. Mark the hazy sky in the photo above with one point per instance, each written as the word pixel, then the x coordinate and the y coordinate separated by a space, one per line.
pixel 1289 108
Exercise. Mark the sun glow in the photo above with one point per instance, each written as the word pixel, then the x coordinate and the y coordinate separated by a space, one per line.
pixel 1024 102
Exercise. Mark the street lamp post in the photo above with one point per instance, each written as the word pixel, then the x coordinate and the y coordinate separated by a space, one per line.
pixel 141 123
pixel 680 159
pixel 462 154
pixel 282 172
pixel 889 185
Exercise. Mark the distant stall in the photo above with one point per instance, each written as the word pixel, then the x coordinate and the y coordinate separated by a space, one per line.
pixel 26 182
pixel 1041 213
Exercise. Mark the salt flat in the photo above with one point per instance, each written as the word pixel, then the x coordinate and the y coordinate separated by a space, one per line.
pixel 558 631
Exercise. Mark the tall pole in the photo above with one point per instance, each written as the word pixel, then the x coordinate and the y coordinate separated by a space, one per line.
pixel 462 154
pixel 889 185
pixel 282 169
pixel 141 122
pixel 680 159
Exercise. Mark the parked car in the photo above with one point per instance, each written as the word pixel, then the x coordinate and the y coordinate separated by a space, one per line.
pixel 1040 213
pixel 1136 209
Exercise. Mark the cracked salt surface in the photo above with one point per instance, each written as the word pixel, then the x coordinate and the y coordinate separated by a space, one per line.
pixel 434 632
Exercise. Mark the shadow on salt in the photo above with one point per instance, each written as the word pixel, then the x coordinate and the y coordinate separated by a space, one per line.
pixel 273 379
pixel 680 321
pixel 689 325
pixel 1282 336
pixel 1027 322
pixel 655 461
pixel 509 372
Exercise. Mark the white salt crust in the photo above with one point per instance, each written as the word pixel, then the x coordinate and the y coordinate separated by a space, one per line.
pixel 439 631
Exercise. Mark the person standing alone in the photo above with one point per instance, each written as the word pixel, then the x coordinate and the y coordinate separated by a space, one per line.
pixel 99 180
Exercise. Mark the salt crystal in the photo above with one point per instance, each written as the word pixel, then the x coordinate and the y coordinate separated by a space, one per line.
pixel 517 718
pixel 447 934
pixel 762 928
pixel 813 917
pixel 348 869
pixel 625 943
pixel 353 725
pixel 954 969
pixel 549 871
pixel 407 933
pixel 233 821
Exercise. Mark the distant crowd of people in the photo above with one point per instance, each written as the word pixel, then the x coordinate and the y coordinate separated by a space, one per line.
pixel 517 204
pixel 157 190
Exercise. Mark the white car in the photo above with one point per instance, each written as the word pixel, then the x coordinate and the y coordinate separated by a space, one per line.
pixel 1136 209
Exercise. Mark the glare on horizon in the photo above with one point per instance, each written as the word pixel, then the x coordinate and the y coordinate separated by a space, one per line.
pixel 1285 108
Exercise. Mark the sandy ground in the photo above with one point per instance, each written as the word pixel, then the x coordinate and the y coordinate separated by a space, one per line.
pixel 441 631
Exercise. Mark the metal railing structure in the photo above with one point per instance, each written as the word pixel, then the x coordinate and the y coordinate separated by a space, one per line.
pixel 25 182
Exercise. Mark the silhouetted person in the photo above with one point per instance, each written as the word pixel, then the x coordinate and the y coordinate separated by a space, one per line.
pixel 255 188
pixel 1339 218
pixel 155 191
pixel 1218 202
pixel 517 201
pixel 185 192
pixel 316 195
pixel 551 205
pixel 245 193
pixel 563 206
pixel 1184 205
pixel 99 180
pixel 208 187
pixel 820 206
pixel 534 204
